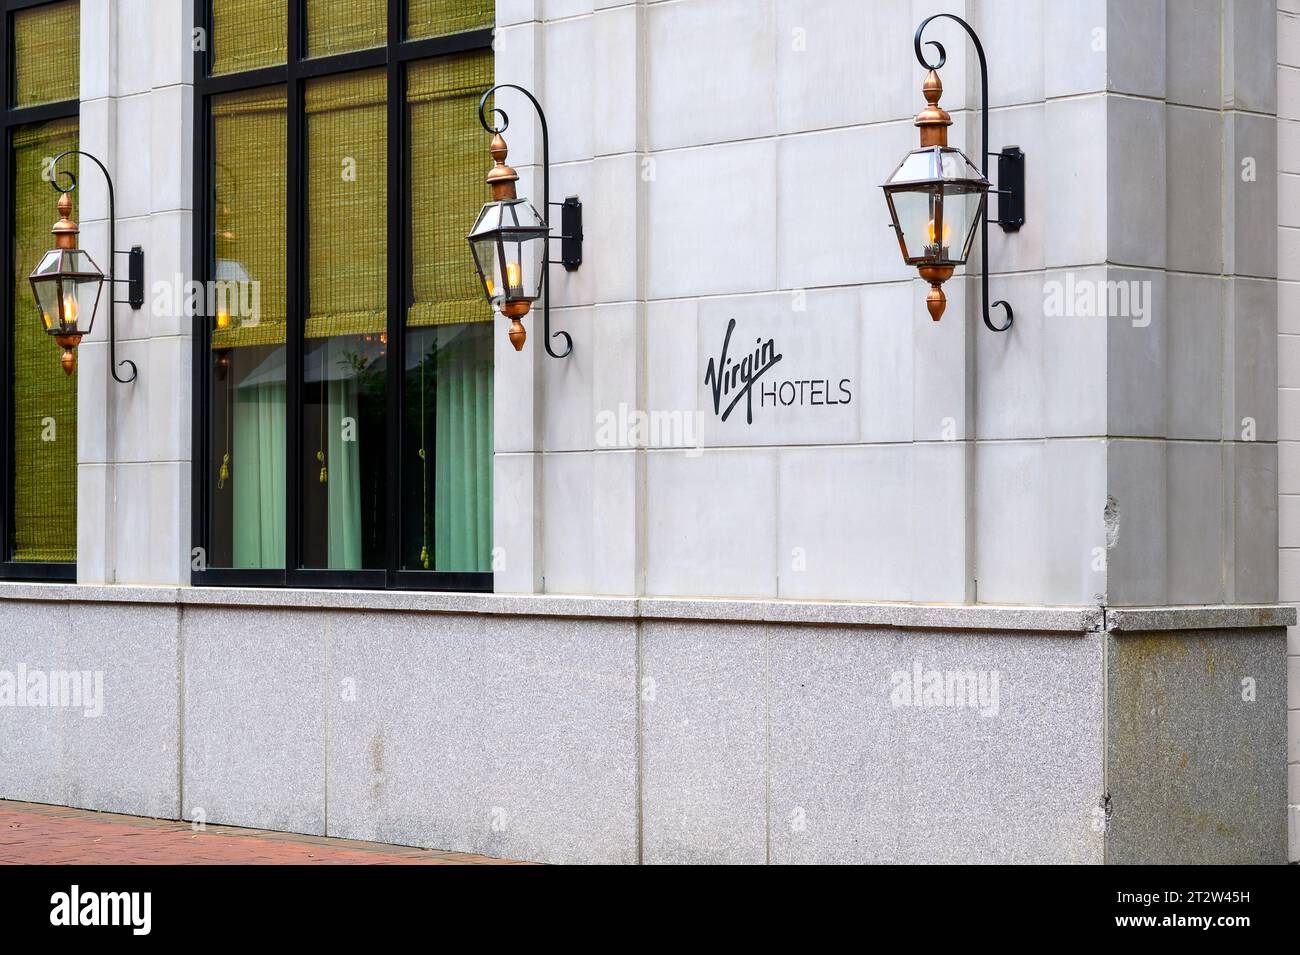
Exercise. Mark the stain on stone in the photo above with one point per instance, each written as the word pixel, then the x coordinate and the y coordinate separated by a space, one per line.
pixel 1110 518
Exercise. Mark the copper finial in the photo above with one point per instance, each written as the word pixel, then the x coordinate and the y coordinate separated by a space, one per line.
pixel 934 119
pixel 515 311
pixel 501 177
pixel 69 343
pixel 936 275
pixel 65 230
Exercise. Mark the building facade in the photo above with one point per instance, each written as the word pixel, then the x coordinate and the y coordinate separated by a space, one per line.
pixel 772 566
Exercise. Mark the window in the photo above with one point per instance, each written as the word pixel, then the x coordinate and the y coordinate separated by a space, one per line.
pixel 343 421
pixel 40 61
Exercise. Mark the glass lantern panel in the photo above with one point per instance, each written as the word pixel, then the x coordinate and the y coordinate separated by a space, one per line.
pixel 960 211
pixel 920 164
pixel 916 211
pixel 531 257
pixel 79 260
pixel 957 165
pixel 482 242
pixel 78 303
pixel 47 300
pixel 487 262
pixel 50 264
pixel 489 218
pixel 514 277
pixel 529 249
pixel 937 162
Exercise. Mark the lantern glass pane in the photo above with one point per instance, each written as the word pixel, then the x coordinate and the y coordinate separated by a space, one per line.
pixel 485 257
pixel 915 210
pixel 937 162
pixel 50 264
pixel 917 166
pixel 47 300
pixel 529 255
pixel 960 211
pixel 78 260
pixel 77 306
pixel 524 250
pixel 963 210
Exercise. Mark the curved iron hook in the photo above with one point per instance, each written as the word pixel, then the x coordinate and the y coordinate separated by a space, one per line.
pixel 984 150
pixel 483 111
pixel 113 363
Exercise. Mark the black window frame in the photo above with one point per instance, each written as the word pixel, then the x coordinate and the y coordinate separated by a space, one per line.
pixel 293 75
pixel 11 117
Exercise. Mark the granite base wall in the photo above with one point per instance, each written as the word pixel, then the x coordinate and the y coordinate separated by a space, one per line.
pixel 624 739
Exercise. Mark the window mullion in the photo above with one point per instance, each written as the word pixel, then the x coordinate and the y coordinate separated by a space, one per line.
pixel 295 253
pixel 397 205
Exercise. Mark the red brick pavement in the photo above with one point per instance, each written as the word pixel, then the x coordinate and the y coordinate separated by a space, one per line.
pixel 32 833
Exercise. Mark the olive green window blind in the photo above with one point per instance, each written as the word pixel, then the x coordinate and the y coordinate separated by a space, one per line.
pixel 249 131
pixel 428 18
pixel 47 53
pixel 347 204
pixel 447 149
pixel 45 69
pixel 248 34
pixel 340 26
pixel 44 399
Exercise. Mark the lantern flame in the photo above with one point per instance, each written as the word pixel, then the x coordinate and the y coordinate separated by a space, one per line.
pixel 947 232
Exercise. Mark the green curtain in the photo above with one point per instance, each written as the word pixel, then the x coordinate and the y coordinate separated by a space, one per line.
pixel 247 34
pixel 463 453
pixel 47 53
pixel 258 475
pixel 344 485
pixel 44 398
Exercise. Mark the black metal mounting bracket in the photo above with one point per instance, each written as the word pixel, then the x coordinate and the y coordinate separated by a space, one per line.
pixel 1011 188
pixel 571 233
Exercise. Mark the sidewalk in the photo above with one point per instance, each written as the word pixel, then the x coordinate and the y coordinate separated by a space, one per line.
pixel 38 834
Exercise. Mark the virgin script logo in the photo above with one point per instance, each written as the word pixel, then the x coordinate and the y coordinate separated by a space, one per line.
pixel 731 380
